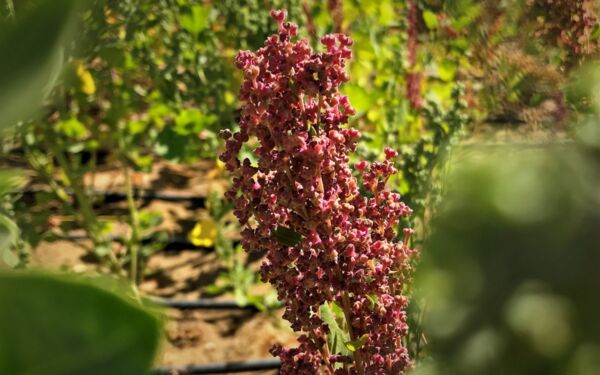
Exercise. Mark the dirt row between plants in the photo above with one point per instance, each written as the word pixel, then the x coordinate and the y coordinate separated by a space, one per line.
pixel 191 336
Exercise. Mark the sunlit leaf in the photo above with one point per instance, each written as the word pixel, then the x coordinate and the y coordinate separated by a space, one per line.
pixel 336 338
pixel 72 128
pixel 356 344
pixel 446 69
pixel 430 19
pixel 197 20
pixel 359 97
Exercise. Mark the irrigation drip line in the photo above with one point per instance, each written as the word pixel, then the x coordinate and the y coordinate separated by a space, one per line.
pixel 147 195
pixel 171 245
pixel 202 303
pixel 525 145
pixel 221 368
pixel 180 244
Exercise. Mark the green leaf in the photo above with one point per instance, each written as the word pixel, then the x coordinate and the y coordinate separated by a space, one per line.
pixel 357 344
pixel 172 145
pixel 9 234
pixel 136 127
pixel 214 289
pixel 56 325
pixel 197 20
pixel 189 121
pixel 150 219
pixel 336 336
pixel 446 70
pixel 287 236
pixel 72 128
pixel 9 258
pixel 596 34
pixel 215 205
pixel 102 250
pixel 11 180
pixel 431 20
pixel 360 98
pixel 31 57
pixel 373 299
pixel 240 296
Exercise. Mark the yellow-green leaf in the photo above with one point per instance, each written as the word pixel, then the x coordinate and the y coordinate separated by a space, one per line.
pixel 88 86
pixel 356 344
pixel 431 20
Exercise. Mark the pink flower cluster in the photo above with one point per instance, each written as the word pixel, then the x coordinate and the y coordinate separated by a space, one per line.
pixel 326 240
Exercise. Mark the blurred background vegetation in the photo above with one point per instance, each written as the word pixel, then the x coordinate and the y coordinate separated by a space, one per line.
pixel 129 84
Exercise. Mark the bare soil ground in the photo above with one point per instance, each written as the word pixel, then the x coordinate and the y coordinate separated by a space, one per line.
pixel 191 336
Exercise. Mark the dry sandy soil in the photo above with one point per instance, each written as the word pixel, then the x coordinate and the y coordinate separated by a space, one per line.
pixel 191 336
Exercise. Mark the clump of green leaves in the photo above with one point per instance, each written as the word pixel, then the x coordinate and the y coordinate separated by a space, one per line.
pixel 236 276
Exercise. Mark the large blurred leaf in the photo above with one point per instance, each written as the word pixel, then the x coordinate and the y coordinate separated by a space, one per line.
pixel 31 57
pixel 11 180
pixel 56 326
pixel 9 234
pixel 510 270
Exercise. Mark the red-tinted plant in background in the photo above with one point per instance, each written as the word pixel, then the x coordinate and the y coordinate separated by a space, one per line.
pixel 336 10
pixel 328 243
pixel 569 23
pixel 413 77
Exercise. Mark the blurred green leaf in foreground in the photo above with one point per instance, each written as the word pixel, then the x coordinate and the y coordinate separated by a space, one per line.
pixel 31 56
pixel 11 181
pixel 510 273
pixel 55 325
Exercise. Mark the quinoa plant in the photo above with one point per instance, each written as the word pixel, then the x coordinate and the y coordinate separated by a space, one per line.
pixel 333 253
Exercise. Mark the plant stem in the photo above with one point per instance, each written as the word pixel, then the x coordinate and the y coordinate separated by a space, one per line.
pixel 324 353
pixel 88 217
pixel 319 112
pixel 94 165
pixel 40 168
pixel 358 362
pixel 134 223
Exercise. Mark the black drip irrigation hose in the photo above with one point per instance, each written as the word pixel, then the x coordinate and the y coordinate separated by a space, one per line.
pixel 221 368
pixel 180 244
pixel 202 303
pixel 153 195
pixel 522 145
pixel 171 245
pixel 146 195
